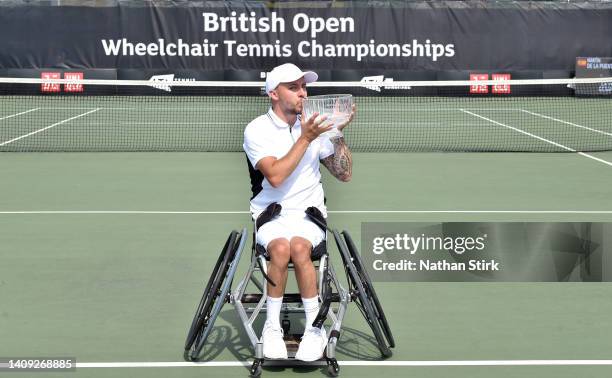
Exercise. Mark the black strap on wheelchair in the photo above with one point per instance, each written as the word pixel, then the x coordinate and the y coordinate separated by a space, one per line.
pixel 258 253
pixel 315 215
pixel 263 273
pixel 271 212
pixel 326 295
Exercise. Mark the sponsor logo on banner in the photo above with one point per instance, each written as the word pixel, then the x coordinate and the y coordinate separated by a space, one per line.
pixel 501 88
pixel 73 87
pixel 164 82
pixel 375 83
pixel 479 89
pixel 50 87
pixel 581 62
pixel 605 88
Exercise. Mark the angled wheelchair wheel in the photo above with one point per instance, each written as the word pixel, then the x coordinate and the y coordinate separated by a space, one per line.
pixel 361 297
pixel 369 288
pixel 214 296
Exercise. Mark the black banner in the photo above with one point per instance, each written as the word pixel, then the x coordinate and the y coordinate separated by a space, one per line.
pixel 237 36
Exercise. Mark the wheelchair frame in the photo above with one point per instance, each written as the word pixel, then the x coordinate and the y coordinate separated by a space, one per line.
pixel 249 305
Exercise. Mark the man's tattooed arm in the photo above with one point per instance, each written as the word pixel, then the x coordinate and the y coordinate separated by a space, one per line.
pixel 340 163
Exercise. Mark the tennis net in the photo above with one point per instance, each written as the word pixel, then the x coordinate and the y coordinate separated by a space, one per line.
pixel 108 115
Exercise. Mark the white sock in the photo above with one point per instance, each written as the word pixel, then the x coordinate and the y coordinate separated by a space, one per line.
pixel 273 310
pixel 311 308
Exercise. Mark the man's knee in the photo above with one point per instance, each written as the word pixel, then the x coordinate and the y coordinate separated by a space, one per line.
pixel 279 251
pixel 300 251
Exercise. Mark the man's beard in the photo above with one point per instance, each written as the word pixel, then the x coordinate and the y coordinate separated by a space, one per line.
pixel 293 109
pixel 299 107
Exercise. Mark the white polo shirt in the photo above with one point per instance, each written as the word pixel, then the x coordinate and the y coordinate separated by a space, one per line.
pixel 268 135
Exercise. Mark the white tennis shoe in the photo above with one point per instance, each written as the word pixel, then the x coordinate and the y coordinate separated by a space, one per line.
pixel 273 342
pixel 312 345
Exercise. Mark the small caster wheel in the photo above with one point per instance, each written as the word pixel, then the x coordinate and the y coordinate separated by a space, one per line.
pixel 332 367
pixel 256 368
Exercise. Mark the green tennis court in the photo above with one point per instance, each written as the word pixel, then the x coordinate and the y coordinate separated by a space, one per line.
pixel 106 254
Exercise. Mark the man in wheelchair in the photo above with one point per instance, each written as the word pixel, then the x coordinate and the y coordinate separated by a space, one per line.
pixel 283 153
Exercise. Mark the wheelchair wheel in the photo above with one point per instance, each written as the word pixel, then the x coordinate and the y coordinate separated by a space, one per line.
pixel 369 288
pixel 214 297
pixel 361 297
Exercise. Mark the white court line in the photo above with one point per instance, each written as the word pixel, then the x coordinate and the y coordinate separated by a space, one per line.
pixel 429 123
pixel 539 138
pixel 244 123
pixel 192 108
pixel 434 109
pixel 18 114
pixel 566 122
pixel 121 212
pixel 149 109
pixel 470 211
pixel 48 127
pixel 329 211
pixel 165 123
pixel 355 363
pixel 84 107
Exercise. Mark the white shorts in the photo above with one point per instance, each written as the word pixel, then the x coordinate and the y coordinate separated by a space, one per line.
pixel 289 225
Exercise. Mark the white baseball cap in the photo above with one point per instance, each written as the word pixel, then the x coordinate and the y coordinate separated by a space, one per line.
pixel 286 73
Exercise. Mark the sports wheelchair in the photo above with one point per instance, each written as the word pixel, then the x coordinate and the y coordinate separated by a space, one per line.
pixel 249 305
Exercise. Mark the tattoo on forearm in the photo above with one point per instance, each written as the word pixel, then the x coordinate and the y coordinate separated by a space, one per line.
pixel 340 164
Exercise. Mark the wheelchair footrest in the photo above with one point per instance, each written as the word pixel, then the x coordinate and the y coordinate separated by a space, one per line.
pixel 292 342
pixel 287 298
pixel 292 362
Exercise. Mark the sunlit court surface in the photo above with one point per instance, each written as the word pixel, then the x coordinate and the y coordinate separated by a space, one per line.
pixel 117 196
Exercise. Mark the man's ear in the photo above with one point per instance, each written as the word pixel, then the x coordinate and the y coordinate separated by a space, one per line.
pixel 273 95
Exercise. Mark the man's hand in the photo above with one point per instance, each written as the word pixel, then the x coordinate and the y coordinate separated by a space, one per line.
pixel 313 127
pixel 344 124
